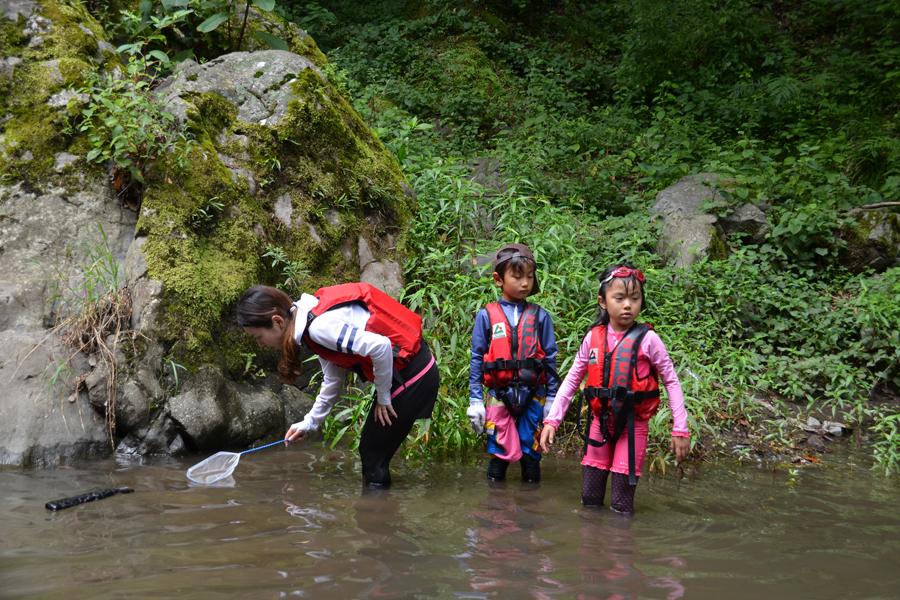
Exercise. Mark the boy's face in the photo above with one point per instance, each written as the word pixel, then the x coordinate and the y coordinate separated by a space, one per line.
pixel 515 284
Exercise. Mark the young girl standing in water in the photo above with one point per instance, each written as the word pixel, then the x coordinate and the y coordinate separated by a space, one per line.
pixel 624 361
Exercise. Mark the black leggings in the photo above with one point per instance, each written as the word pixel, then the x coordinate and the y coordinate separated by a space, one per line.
pixel 593 489
pixel 378 443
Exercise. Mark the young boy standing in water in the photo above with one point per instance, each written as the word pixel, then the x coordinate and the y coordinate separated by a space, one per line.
pixel 514 356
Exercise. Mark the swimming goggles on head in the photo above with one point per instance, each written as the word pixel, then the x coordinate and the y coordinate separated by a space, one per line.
pixel 624 272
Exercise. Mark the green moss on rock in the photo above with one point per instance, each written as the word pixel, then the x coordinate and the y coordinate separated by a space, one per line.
pixel 36 131
pixel 718 249
pixel 320 156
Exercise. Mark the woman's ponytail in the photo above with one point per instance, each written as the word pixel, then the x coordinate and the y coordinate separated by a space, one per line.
pixel 256 308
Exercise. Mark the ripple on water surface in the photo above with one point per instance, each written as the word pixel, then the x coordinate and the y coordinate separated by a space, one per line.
pixel 296 523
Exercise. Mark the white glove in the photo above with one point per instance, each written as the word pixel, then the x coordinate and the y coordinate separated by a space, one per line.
pixel 296 433
pixel 476 414
pixel 548 404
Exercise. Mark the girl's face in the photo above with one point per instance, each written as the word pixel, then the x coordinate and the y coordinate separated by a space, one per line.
pixel 516 285
pixel 623 305
pixel 268 337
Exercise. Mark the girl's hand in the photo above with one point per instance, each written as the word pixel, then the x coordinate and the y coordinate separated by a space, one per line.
pixel 295 434
pixel 383 413
pixel 547 435
pixel 681 446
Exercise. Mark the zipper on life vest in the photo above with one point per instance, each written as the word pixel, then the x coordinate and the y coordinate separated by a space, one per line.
pixel 514 347
pixel 607 359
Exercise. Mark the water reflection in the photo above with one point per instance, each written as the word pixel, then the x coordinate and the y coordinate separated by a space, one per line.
pixel 298 524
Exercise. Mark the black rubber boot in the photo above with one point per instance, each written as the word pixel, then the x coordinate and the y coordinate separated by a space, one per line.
pixel 531 468
pixel 497 469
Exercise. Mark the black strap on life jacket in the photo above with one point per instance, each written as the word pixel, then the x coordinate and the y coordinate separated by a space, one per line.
pixel 618 400
pixel 515 365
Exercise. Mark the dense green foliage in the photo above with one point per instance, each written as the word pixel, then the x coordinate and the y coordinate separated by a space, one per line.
pixel 591 109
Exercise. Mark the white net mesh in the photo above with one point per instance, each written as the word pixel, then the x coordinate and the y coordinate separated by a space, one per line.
pixel 214 468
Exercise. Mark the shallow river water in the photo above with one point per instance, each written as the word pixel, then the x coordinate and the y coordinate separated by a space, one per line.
pixel 296 524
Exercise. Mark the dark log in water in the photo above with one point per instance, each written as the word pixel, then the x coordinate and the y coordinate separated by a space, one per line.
pixel 89 497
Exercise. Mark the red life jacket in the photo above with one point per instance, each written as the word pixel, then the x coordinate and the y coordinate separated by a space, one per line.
pixel 612 374
pixel 515 355
pixel 614 388
pixel 387 317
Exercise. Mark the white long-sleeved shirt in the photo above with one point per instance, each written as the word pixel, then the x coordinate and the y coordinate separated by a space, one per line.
pixel 343 329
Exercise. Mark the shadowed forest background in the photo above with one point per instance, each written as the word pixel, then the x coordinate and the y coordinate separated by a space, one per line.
pixel 550 122
pixel 589 109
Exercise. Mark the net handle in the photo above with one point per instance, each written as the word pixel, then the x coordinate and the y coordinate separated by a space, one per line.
pixel 261 447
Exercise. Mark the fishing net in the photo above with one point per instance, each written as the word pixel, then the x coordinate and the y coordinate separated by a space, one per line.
pixel 214 468
pixel 220 465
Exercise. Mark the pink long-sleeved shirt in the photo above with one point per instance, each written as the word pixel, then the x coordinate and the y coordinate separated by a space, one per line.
pixel 652 352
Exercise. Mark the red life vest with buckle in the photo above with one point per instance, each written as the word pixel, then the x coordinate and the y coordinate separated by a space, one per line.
pixel 608 371
pixel 387 317
pixel 515 354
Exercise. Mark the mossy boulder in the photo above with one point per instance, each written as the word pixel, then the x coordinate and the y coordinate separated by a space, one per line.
pixel 688 236
pixel 874 242
pixel 463 80
pixel 280 160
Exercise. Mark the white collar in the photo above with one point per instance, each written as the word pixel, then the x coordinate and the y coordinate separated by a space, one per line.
pixel 301 310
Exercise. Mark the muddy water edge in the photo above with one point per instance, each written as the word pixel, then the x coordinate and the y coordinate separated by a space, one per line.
pixel 296 523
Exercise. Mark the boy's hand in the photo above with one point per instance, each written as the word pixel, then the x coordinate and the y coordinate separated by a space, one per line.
pixel 548 433
pixel 681 446
pixel 476 414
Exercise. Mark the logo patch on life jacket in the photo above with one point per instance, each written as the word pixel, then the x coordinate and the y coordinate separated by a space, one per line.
pixel 498 331
pixel 592 359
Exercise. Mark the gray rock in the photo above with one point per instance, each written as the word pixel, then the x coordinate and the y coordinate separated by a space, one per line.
pixel 62 160
pixel 197 409
pixel 347 250
pixel 386 275
pixel 11 9
pixel 37 232
pixel 216 413
pixel 8 67
pixel 313 233
pixel 815 442
pixel 332 217
pixel 62 99
pixel 132 407
pixel 366 257
pixel 749 220
pixel 38 426
pixel 874 242
pixel 36 24
pixel 104 46
pixel 135 263
pixel 257 83
pixel 686 196
pixel 160 437
pixel 237 172
pixel 296 405
pixel 284 209
pixel 687 237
